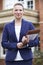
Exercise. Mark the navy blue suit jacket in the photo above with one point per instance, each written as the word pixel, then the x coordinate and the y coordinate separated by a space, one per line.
pixel 9 40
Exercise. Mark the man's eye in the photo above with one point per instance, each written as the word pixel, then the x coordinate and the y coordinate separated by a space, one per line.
pixel 16 10
pixel 20 10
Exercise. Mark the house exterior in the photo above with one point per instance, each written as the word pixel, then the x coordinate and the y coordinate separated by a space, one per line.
pixel 33 12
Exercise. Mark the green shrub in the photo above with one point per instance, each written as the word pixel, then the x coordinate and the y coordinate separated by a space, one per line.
pixel 38 58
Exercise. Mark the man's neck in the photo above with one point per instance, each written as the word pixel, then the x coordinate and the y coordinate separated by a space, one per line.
pixel 18 21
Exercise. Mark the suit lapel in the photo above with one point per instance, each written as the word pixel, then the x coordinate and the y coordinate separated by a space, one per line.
pixel 14 30
pixel 22 30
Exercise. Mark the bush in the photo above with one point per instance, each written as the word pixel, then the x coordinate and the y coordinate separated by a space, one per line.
pixel 38 58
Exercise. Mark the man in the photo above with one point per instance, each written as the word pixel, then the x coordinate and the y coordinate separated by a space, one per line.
pixel 18 53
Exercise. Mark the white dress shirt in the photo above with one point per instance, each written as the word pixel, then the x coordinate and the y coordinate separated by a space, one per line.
pixel 17 30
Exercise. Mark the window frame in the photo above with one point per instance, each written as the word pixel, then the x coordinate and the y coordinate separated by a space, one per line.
pixel 31 5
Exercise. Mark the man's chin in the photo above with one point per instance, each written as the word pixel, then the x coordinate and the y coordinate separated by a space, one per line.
pixel 18 18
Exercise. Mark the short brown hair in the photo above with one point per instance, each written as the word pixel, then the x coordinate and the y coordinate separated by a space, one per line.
pixel 18 4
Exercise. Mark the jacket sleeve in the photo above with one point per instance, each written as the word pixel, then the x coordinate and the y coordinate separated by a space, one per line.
pixel 5 40
pixel 34 42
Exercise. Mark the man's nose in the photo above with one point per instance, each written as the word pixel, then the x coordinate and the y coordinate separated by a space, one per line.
pixel 18 11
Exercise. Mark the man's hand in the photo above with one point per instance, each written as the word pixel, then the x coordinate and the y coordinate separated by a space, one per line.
pixel 25 40
pixel 20 45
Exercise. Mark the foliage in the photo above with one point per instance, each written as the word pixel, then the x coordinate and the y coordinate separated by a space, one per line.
pixel 38 57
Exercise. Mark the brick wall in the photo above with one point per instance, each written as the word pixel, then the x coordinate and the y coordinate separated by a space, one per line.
pixel 39 7
pixel 1 4
pixel 41 21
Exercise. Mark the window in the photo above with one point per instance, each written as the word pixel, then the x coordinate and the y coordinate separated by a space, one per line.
pixel 31 4
pixel 8 4
pixel 20 0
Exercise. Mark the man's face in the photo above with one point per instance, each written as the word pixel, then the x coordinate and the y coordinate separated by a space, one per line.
pixel 18 11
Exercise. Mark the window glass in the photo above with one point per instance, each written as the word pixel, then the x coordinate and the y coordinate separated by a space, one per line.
pixel 30 4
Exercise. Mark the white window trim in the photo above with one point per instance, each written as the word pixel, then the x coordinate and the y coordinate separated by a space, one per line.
pixel 34 5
